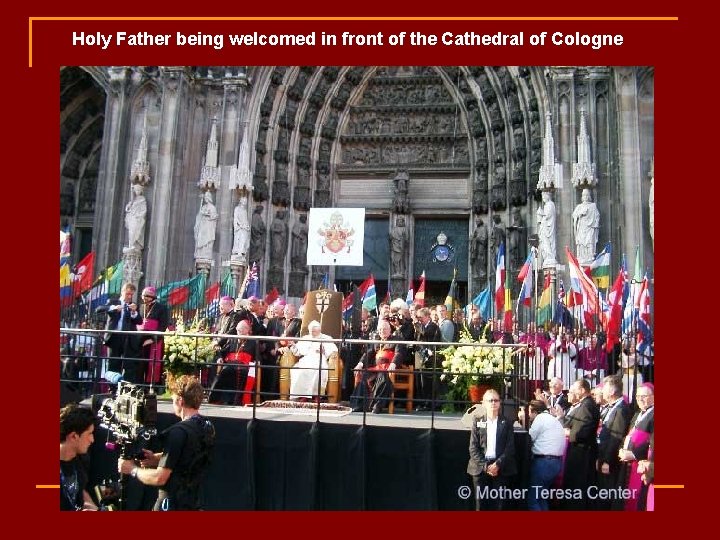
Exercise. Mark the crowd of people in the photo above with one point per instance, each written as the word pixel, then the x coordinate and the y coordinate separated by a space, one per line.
pixel 565 353
pixel 588 449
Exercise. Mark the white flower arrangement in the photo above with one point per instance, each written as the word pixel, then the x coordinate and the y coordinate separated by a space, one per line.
pixel 186 354
pixel 478 362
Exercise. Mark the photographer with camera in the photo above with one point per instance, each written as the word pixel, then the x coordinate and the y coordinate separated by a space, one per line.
pixel 122 314
pixel 181 467
pixel 76 435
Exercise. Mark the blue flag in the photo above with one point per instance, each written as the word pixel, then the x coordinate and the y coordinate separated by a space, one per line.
pixel 482 301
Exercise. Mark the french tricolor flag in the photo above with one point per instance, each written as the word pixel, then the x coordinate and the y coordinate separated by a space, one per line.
pixel 525 276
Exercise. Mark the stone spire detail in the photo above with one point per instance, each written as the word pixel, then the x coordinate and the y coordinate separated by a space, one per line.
pixel 210 174
pixel 240 175
pixel 583 172
pixel 550 172
pixel 140 169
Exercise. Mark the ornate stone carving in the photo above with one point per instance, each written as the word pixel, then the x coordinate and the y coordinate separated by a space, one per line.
pixel 135 214
pixel 278 240
pixel 281 193
pixel 499 189
pixel 205 225
pixel 546 230
pixel 497 237
pixel 586 224
pixel 241 231
pixel 298 258
pixel 260 187
pixel 301 199
pixel 399 240
pixel 257 237
pixel 518 185
pixel 401 201
pixel 478 252
pixel 517 239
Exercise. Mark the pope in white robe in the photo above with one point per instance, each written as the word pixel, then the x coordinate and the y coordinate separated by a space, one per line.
pixel 313 355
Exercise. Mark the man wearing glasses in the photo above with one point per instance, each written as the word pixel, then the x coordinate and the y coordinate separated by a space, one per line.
pixel 492 455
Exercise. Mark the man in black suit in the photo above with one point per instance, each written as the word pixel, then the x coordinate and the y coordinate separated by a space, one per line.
pixel 581 424
pixel 614 424
pixel 426 359
pixel 492 454
pixel 124 349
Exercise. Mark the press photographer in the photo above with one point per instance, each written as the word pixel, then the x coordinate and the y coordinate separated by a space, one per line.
pixel 76 435
pixel 181 467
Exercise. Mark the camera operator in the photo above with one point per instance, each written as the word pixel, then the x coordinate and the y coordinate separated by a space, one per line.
pixel 76 435
pixel 180 468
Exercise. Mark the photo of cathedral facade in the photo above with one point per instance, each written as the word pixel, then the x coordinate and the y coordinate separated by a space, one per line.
pixel 181 170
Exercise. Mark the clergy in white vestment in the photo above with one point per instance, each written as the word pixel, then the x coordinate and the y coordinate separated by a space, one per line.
pixel 313 355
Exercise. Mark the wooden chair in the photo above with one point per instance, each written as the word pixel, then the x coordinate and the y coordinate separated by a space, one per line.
pixel 402 379
pixel 332 390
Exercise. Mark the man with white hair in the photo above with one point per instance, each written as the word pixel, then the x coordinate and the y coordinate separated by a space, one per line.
pixel 304 377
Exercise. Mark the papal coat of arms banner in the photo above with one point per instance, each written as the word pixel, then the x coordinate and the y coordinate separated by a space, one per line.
pixel 335 236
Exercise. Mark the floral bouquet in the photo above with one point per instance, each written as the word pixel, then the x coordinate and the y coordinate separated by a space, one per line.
pixel 187 354
pixel 477 362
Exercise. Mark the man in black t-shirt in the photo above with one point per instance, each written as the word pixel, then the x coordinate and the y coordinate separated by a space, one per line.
pixel 179 470
pixel 76 435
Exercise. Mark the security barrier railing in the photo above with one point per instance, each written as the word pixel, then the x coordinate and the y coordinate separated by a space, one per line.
pixel 88 366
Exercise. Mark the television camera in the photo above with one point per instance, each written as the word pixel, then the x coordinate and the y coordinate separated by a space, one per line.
pixel 131 418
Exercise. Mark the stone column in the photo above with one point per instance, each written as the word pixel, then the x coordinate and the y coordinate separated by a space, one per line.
pixel 237 271
pixel 230 129
pixel 203 266
pixel 132 259
pixel 175 81
pixel 108 226
pixel 630 166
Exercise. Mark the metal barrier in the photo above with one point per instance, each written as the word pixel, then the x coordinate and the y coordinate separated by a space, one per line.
pixel 85 364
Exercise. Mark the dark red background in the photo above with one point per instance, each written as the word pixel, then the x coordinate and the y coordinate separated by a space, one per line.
pixel 31 175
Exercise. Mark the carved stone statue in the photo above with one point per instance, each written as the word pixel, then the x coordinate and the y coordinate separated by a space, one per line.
pixel 205 224
pixel 546 230
pixel 400 200
pixel 241 228
pixel 257 237
pixel 478 252
pixel 135 213
pixel 516 239
pixel 497 237
pixel 586 223
pixel 398 249
pixel 298 258
pixel 278 239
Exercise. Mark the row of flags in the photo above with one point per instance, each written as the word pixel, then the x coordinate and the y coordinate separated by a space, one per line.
pixel 74 280
pixel 625 311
